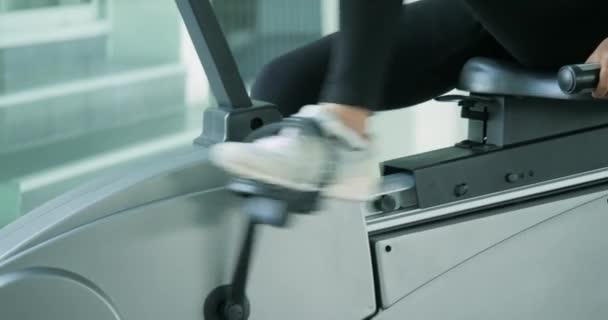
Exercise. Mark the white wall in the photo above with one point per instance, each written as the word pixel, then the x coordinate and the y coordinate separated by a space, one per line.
pixel 417 129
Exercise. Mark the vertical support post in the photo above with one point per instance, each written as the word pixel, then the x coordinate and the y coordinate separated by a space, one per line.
pixel 237 116
pixel 213 51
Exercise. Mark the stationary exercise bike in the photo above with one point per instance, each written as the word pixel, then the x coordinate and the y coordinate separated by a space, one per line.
pixel 508 224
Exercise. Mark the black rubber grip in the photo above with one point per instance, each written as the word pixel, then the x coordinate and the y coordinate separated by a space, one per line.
pixel 577 78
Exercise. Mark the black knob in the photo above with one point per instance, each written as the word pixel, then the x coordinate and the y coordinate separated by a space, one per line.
pixel 576 78
pixel 461 190
pixel 386 203
pixel 512 177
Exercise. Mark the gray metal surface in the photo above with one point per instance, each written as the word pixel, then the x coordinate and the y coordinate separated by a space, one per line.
pixel 553 270
pixel 385 222
pixel 160 260
pixel 453 174
pixel 417 255
pixel 151 244
pixel 153 262
pixel 164 177
pixel 319 268
pixel 514 120
pixel 25 295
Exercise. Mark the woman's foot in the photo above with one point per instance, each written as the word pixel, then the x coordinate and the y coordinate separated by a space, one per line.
pixel 297 161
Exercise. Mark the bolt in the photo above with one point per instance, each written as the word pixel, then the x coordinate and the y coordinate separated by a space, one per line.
pixel 235 312
pixel 461 189
pixel 512 177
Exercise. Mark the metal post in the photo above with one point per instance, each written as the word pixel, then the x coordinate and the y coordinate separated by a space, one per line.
pixel 213 51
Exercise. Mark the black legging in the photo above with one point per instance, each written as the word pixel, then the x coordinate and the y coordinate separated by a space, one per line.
pixel 433 41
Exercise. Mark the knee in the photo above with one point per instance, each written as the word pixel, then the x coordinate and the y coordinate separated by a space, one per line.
pixel 286 82
pixel 269 79
pixel 276 76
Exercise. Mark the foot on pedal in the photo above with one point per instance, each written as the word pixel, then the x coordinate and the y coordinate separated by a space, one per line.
pixel 297 160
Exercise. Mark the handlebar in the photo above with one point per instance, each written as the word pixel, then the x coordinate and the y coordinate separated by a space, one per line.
pixel 577 78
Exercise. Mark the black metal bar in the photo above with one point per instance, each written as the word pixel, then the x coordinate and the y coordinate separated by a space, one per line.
pixel 241 272
pixel 440 173
pixel 213 51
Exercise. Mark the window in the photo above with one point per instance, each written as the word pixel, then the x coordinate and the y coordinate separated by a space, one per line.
pixel 90 85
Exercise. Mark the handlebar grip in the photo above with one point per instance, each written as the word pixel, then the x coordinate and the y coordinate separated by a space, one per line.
pixel 576 78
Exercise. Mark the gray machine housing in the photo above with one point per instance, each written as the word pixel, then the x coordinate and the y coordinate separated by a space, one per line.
pixel 464 240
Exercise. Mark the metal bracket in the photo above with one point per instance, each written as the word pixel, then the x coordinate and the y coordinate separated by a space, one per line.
pixel 225 124
pixel 468 103
pixel 475 109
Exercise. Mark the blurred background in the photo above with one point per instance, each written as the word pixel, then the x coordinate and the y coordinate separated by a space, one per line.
pixel 88 86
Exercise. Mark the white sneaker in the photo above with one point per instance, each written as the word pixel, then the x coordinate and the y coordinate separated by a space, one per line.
pixel 297 161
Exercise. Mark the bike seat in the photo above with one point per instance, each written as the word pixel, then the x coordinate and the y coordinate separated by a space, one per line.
pixel 495 77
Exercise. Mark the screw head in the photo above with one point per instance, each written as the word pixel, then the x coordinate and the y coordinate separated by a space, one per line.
pixel 461 189
pixel 386 203
pixel 512 177
pixel 235 312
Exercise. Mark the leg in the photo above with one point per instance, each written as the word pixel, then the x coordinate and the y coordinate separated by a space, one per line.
pixel 415 68
pixel 295 78
pixel 358 55
pixel 547 33
pixel 422 64
pixel 358 59
pixel 427 63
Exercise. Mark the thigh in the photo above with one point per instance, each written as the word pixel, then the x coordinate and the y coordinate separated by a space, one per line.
pixel 436 39
pixel 544 33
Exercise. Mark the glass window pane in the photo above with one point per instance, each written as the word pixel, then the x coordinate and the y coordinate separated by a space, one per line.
pixel 88 86
pixel 83 85
pixel 13 5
